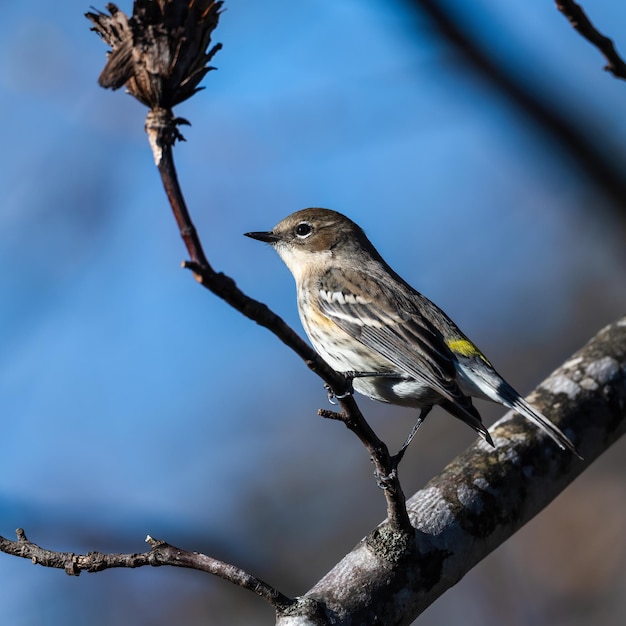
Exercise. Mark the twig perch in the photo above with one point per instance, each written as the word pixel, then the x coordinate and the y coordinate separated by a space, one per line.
pixel 159 55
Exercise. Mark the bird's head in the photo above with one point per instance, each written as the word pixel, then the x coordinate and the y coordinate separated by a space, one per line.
pixel 313 236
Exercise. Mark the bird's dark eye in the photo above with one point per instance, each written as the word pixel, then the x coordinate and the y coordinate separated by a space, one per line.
pixel 303 229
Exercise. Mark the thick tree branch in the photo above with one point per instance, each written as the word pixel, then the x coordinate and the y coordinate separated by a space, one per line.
pixel 579 20
pixel 482 497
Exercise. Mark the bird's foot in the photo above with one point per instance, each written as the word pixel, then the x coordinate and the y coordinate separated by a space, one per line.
pixel 386 481
pixel 333 395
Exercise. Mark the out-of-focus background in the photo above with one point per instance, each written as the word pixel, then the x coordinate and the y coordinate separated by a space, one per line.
pixel 135 402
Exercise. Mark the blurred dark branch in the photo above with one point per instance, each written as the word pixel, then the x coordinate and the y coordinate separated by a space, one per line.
pixel 160 553
pixel 579 20
pixel 606 171
pixel 160 54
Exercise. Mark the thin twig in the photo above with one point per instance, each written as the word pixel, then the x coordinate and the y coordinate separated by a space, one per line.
pixel 225 288
pixel 579 20
pixel 160 553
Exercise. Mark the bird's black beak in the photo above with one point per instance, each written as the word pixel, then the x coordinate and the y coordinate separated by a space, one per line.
pixel 267 237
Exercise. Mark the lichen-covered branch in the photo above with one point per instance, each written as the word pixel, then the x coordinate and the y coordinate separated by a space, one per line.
pixel 482 497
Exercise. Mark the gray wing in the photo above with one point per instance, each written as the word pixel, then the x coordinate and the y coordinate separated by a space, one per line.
pixel 391 325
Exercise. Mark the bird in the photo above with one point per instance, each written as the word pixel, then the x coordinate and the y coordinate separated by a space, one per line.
pixel 396 345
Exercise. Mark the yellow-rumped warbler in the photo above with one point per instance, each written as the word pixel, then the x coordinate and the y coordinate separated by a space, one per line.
pixel 364 319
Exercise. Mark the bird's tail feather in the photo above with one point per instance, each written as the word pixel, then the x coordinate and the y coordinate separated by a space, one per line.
pixel 491 386
pixel 505 394
pixel 529 412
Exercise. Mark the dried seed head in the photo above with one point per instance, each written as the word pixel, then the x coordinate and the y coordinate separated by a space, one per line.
pixel 161 53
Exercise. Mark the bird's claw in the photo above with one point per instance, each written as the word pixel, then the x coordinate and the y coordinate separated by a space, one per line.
pixel 385 481
pixel 332 395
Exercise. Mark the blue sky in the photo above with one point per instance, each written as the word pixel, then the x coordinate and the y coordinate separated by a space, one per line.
pixel 127 392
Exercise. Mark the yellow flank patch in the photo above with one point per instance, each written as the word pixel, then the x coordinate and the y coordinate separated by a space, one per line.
pixel 314 316
pixel 466 348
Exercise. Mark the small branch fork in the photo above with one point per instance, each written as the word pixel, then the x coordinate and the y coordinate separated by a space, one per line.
pixel 160 553
pixel 579 20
